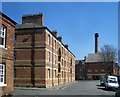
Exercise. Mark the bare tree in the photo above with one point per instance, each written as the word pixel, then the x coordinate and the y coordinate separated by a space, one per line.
pixel 109 55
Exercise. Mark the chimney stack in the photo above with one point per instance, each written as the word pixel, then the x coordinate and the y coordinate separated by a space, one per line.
pixel 37 19
pixel 55 33
pixel 66 46
pixel 60 38
pixel 96 43
pixel 85 58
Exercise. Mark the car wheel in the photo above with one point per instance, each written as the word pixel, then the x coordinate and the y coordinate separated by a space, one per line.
pixel 116 95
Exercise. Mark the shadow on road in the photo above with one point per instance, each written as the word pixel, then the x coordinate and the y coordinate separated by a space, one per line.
pixel 103 88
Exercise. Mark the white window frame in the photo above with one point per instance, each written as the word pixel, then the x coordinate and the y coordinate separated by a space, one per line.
pixel 2 73
pixel 48 73
pixel 48 39
pixel 55 59
pixel 55 74
pixel 3 35
pixel 48 56
pixel 55 44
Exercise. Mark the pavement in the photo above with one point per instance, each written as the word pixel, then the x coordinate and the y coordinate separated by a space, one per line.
pixel 57 87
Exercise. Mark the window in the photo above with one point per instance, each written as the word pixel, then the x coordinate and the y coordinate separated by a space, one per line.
pixel 55 59
pixel 88 64
pixel 102 64
pixel 96 70
pixel 62 74
pixel 102 70
pixel 89 70
pixel 55 74
pixel 102 76
pixel 64 63
pixel 14 55
pixel 48 56
pixel 15 39
pixel 71 70
pixel 14 73
pixel 48 73
pixel 2 70
pixel 2 36
pixel 80 69
pixel 48 39
pixel 89 76
pixel 55 44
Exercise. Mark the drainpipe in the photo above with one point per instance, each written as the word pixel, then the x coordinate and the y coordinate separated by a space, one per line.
pixel 52 62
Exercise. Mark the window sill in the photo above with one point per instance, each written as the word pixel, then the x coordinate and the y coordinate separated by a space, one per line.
pixel 3 85
pixel 3 47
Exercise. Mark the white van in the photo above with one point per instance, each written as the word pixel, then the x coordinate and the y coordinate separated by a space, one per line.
pixel 111 82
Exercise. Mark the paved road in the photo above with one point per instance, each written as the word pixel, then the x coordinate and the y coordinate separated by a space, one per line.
pixel 78 88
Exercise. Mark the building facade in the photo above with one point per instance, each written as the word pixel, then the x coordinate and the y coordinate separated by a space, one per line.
pixel 117 69
pixel 41 57
pixel 6 53
pixel 79 69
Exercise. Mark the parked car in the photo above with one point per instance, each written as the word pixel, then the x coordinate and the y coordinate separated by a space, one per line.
pixel 118 76
pixel 102 81
pixel 117 94
pixel 111 83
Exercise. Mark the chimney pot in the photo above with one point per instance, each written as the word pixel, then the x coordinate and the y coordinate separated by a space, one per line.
pixel 60 38
pixel 66 46
pixel 55 33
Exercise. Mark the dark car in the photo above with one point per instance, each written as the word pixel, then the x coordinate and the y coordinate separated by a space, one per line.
pixel 102 81
pixel 117 94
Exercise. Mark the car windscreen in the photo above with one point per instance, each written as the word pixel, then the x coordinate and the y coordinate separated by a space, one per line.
pixel 112 81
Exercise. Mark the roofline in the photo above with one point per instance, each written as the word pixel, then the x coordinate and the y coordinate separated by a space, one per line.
pixel 8 18
pixel 58 40
pixel 44 27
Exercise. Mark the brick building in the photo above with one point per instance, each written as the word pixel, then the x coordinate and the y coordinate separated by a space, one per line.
pixel 79 69
pixel 94 64
pixel 6 53
pixel 41 57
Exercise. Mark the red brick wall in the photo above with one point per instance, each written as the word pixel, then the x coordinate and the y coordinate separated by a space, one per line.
pixel 9 59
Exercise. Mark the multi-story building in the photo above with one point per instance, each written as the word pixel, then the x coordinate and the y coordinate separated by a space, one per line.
pixel 7 26
pixel 41 57
pixel 94 64
pixel 79 69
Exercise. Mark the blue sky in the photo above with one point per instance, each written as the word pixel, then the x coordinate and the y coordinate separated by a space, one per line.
pixel 75 22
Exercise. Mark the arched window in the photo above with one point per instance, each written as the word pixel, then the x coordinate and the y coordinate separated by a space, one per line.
pixel 2 35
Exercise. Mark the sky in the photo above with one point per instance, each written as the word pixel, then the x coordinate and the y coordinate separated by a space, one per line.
pixel 76 22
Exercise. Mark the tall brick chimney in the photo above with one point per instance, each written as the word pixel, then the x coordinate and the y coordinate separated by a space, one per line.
pixel 60 38
pixel 38 19
pixel 96 43
pixel 55 33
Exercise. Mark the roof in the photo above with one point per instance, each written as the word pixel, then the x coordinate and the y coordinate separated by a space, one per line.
pixel 28 25
pixel 37 26
pixel 96 57
pixel 3 15
pixel 77 62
